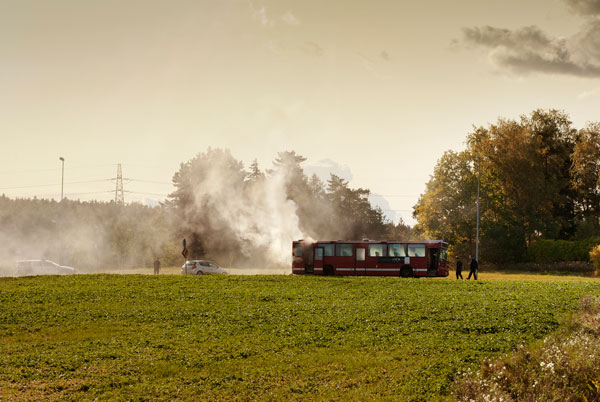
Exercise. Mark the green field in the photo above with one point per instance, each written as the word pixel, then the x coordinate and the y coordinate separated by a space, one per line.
pixel 137 337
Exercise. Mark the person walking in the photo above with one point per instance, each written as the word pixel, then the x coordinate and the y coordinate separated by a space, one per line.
pixel 459 267
pixel 473 267
pixel 156 266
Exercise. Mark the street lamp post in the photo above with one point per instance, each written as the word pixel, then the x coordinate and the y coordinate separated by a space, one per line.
pixel 62 186
pixel 62 181
pixel 478 185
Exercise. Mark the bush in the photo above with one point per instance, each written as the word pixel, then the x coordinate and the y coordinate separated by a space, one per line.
pixel 565 367
pixel 574 267
pixel 548 251
pixel 595 259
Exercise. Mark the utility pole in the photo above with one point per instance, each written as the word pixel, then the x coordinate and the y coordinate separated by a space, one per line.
pixel 62 181
pixel 119 193
pixel 478 184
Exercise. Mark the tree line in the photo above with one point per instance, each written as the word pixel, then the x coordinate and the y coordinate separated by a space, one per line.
pixel 539 180
pixel 235 215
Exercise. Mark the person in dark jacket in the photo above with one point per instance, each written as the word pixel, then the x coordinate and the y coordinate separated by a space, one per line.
pixel 156 267
pixel 473 267
pixel 459 267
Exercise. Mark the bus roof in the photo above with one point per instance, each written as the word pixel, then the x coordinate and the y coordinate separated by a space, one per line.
pixel 376 241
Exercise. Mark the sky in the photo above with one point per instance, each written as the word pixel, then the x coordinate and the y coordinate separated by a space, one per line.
pixel 374 91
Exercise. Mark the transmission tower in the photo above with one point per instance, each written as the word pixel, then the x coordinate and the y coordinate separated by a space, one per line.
pixel 119 197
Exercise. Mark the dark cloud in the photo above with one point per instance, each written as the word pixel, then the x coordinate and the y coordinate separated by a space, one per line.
pixel 529 49
pixel 584 7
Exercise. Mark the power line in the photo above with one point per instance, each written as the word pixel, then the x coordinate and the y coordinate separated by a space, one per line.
pixel 393 195
pixel 50 185
pixel 138 192
pixel 67 194
pixel 54 169
pixel 149 181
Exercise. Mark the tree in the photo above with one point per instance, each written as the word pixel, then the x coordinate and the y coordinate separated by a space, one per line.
pixel 527 191
pixel 255 175
pixel 447 208
pixel 585 174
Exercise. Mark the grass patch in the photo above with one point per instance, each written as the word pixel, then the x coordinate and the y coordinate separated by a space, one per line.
pixel 144 337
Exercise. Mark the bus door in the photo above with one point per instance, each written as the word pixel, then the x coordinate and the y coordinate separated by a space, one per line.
pixel 318 262
pixel 309 258
pixel 360 263
pixel 433 261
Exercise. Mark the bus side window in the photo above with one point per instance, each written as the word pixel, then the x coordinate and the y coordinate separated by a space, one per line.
pixel 377 250
pixel 328 249
pixel 416 250
pixel 343 250
pixel 396 250
pixel 360 254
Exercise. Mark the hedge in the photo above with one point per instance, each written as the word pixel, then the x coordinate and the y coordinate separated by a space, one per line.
pixel 549 251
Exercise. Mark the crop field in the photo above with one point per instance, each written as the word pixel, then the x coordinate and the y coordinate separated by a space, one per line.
pixel 144 337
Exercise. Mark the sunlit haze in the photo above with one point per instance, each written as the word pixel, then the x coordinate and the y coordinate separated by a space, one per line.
pixel 373 91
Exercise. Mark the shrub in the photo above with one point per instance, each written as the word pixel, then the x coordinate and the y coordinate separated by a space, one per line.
pixel 573 267
pixel 546 251
pixel 565 367
pixel 595 259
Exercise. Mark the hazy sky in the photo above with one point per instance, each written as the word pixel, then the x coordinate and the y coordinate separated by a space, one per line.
pixel 376 90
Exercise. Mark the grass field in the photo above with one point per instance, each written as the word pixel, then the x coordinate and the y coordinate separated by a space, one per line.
pixel 144 337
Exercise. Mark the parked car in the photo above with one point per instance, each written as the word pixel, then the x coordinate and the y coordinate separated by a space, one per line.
pixel 42 267
pixel 201 267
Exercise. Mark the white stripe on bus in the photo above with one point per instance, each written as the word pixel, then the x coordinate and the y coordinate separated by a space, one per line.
pixel 363 269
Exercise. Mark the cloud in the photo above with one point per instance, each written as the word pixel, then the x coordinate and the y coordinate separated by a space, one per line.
pixel 367 63
pixel 324 167
pixel 385 56
pixel 584 7
pixel 588 94
pixel 290 19
pixel 377 200
pixel 261 15
pixel 530 50
pixel 313 49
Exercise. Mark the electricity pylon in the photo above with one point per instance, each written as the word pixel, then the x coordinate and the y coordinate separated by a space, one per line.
pixel 119 196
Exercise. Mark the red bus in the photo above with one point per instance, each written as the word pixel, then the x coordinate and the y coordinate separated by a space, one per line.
pixel 368 257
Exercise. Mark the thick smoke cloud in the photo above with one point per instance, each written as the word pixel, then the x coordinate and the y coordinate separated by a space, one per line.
pixel 262 224
pixel 237 220
pixel 530 50
pixel 89 236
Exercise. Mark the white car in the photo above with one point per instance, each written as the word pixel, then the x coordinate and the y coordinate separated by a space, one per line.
pixel 42 267
pixel 201 267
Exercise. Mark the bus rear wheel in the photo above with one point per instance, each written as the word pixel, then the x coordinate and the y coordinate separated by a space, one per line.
pixel 328 270
pixel 406 271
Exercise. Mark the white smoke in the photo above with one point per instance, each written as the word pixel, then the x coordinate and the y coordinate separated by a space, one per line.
pixel 251 222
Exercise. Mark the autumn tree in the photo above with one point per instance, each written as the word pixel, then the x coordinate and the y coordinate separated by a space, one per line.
pixel 585 173
pixel 527 190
